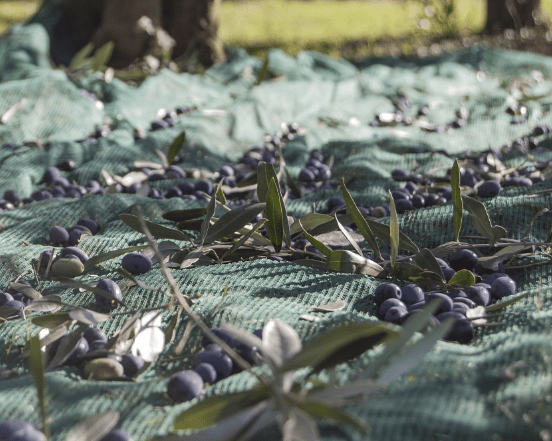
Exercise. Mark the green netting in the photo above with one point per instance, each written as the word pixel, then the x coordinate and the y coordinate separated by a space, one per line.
pixel 457 393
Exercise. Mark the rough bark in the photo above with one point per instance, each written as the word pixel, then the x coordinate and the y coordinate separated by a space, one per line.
pixel 192 23
pixel 510 14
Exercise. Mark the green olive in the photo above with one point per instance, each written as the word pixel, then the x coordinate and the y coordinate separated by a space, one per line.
pixel 103 369
pixel 67 267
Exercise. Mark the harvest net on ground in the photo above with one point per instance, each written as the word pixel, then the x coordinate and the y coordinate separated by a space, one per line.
pixel 458 392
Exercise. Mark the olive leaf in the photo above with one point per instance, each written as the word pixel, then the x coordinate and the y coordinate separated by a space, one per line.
pixel 481 220
pixel 348 236
pixel 393 231
pixel 457 204
pixel 382 232
pixel 220 196
pixel 309 221
pixel 326 251
pixel 192 257
pixel 345 261
pixel 244 238
pixel 210 212
pixel 102 56
pixel 502 305
pixel 265 172
pixel 123 272
pixel 76 284
pixel 157 231
pixel 111 255
pixel 359 220
pixel 50 303
pixel 425 259
pixel 52 320
pixel 491 262
pixel 25 289
pixel 81 57
pixel 175 147
pixel 415 323
pixel 340 344
pixel 216 408
pixel 66 347
pixel 299 427
pixel 88 317
pixel 462 277
pixel 232 221
pixel 295 190
pixel 263 71
pixel 414 353
pixel 95 427
pixel 274 214
pixel 319 409
pixel 329 307
pixel 37 372
pixel 184 215
pixel 56 333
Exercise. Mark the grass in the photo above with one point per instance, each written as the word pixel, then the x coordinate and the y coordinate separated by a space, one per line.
pixel 357 28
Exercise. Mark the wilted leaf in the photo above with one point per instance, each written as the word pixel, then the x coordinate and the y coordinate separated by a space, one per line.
pixel 463 278
pixel 157 231
pixel 99 258
pixel 340 344
pixel 309 318
pixel 87 316
pixel 481 220
pixel 175 147
pixel 233 221
pixel 216 408
pixel 535 217
pixel 330 307
pixel 458 206
pixel 95 427
pixel 360 222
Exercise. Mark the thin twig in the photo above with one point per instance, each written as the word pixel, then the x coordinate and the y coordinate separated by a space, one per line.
pixel 185 302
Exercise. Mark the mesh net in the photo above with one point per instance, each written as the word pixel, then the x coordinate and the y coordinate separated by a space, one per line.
pixel 457 393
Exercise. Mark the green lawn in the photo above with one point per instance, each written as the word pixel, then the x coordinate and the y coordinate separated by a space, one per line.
pixel 323 25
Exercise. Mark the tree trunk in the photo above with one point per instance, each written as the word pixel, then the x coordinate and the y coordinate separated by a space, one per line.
pixel 510 14
pixel 194 26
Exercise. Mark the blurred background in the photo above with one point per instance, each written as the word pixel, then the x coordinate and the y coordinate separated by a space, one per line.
pixel 356 29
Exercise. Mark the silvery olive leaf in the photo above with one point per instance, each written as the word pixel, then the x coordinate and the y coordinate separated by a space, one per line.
pixel 87 316
pixel 309 318
pixel 348 236
pixel 300 427
pixel 481 220
pixel 147 164
pixel 329 307
pixel 413 354
pixel 348 262
pixel 49 303
pixel 478 315
pixel 492 262
pixel 24 289
pixel 280 341
pixel 149 343
pixel 227 429
pixel 335 238
pixel 95 427
pixel 132 177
